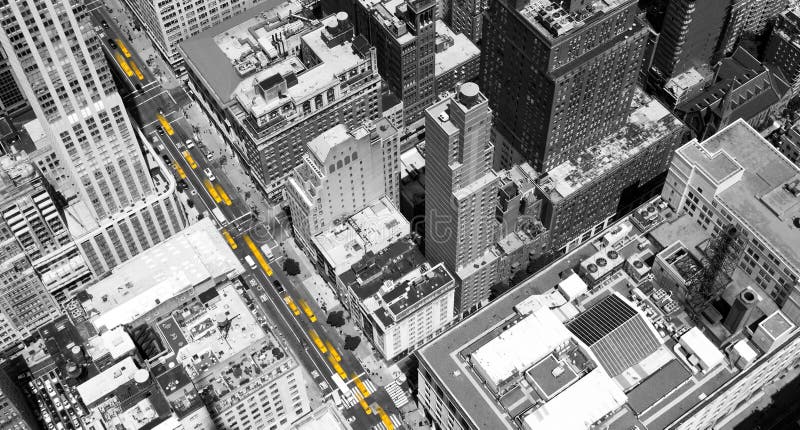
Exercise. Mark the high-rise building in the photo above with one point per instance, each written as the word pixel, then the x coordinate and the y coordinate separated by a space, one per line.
pixel 168 23
pixel 83 117
pixel 759 14
pixel 466 16
pixel 77 101
pixel 269 100
pixel 404 35
pixel 457 59
pixel 342 173
pixel 783 49
pixel 15 414
pixel 560 79
pixel 461 192
pixel 582 196
pixel 696 33
pixel 723 181
pixel 26 304
pixel 11 99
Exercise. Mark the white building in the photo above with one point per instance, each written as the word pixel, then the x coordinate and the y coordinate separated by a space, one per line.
pixel 738 179
pixel 160 279
pixel 342 173
pixel 82 115
pixel 252 381
pixel 406 313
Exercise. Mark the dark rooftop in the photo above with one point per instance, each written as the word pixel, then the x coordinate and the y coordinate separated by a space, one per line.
pixel 551 376
pixel 616 333
pixel 367 275
pixel 658 385
pixel 406 294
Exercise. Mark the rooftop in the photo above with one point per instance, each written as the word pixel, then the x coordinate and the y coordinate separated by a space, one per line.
pixel 625 325
pixel 648 123
pixel 616 332
pixel 274 60
pixel 107 381
pixel 755 182
pixel 213 51
pixel 458 49
pixel 398 299
pixel 368 275
pixel 370 230
pixel 198 254
pixel 554 22
pixel 215 333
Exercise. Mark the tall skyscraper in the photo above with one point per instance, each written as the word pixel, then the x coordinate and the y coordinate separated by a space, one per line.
pixel 404 35
pixel 76 99
pixel 697 33
pixel 466 16
pixel 783 49
pixel 343 172
pixel 461 192
pixel 11 98
pixel 56 56
pixel 560 79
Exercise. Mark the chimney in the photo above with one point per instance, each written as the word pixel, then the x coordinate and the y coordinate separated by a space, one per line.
pixel 741 310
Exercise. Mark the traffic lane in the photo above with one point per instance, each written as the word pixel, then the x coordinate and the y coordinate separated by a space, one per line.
pixel 302 344
pixel 192 178
pixel 238 208
pixel 303 347
pixel 349 363
pixel 113 29
pixel 217 179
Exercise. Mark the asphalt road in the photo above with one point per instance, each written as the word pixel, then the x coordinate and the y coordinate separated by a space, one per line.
pixel 147 99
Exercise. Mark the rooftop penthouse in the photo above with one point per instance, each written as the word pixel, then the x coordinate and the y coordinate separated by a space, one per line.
pixel 648 123
pixel 275 66
pixel 392 15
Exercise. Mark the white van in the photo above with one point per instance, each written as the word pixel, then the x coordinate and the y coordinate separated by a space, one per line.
pixel 250 261
pixel 267 252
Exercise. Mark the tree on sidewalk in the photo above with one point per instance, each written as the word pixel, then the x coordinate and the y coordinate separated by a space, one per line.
pixel 291 267
pixel 351 342
pixel 335 319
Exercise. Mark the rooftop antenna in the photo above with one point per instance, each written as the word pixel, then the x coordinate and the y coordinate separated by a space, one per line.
pixel 224 325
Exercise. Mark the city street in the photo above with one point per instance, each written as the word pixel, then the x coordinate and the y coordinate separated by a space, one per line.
pixel 158 113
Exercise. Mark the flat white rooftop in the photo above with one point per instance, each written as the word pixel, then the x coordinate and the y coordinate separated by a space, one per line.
pixel 194 255
pixel 208 342
pixel 460 52
pixel 371 229
pixel 107 381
